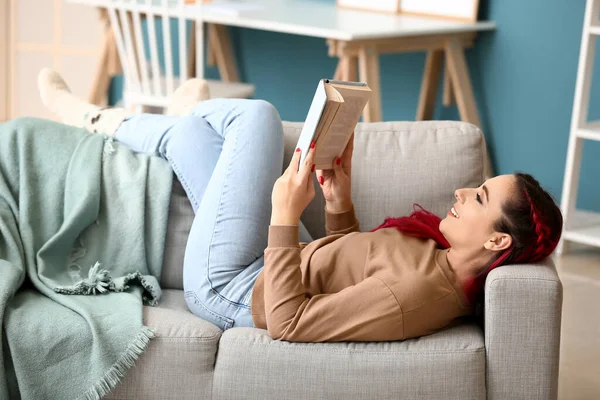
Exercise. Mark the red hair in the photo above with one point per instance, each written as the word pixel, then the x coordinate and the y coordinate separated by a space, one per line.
pixel 535 233
pixel 421 223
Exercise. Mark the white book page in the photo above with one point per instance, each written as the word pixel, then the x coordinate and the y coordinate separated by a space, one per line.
pixel 342 127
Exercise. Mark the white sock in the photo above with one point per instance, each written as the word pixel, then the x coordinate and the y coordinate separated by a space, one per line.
pixel 57 97
pixel 71 110
pixel 192 92
pixel 106 120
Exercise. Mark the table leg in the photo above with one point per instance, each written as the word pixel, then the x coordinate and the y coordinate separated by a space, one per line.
pixel 347 63
pixel 211 59
pixel 101 79
pixel 191 62
pixel 467 108
pixel 219 52
pixel 108 65
pixel 347 69
pixel 368 60
pixel 462 83
pixel 352 69
pixel 114 66
pixel 429 87
pixel 448 91
pixel 338 70
pixel 220 43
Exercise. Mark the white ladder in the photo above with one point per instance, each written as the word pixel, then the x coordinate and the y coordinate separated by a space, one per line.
pixel 581 226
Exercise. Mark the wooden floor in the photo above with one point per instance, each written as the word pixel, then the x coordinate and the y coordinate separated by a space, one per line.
pixel 579 376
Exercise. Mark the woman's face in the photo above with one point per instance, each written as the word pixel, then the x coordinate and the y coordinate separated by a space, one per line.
pixel 469 225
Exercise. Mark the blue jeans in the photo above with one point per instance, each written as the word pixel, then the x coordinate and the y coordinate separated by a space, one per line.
pixel 227 155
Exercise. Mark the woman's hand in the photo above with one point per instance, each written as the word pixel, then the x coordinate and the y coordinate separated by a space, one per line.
pixel 336 182
pixel 293 190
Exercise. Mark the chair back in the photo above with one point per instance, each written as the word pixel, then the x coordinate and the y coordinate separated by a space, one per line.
pixel 139 49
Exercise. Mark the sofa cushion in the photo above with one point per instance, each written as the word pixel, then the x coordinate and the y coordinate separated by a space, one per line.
pixel 178 363
pixel 446 365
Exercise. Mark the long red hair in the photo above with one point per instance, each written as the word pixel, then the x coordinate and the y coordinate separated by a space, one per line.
pixel 531 217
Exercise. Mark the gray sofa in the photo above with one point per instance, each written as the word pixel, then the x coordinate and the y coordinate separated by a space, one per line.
pixel 513 354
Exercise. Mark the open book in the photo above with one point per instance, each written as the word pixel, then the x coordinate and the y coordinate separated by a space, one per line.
pixel 331 119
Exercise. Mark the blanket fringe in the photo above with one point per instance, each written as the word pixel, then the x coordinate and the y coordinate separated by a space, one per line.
pixel 127 360
pixel 99 280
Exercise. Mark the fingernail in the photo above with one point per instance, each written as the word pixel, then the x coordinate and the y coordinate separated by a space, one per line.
pixel 338 161
pixel 312 169
pixel 298 149
pixel 312 145
pixel 321 180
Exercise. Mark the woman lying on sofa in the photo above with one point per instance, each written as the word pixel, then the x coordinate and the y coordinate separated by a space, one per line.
pixel 409 277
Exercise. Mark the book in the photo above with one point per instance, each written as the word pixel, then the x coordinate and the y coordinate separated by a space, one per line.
pixel 333 114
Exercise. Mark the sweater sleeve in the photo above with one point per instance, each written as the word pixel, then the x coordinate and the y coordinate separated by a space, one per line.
pixel 341 223
pixel 367 311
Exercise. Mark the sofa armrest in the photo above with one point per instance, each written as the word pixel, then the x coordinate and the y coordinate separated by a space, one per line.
pixel 523 306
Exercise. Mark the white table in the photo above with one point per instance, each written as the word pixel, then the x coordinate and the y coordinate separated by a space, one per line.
pixel 357 38
pixel 325 20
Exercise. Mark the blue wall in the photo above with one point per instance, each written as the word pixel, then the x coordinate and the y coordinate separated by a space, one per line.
pixel 523 75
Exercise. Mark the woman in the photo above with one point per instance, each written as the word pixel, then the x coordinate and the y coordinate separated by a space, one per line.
pixel 409 277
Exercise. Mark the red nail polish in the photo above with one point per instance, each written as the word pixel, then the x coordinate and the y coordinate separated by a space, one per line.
pixel 298 149
pixel 312 145
pixel 312 169
pixel 321 180
pixel 338 161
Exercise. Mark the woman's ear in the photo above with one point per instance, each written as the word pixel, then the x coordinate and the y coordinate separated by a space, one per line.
pixel 498 242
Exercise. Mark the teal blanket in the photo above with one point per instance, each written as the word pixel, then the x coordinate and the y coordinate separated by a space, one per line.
pixel 82 228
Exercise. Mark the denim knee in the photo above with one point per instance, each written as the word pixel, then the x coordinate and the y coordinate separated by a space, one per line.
pixel 267 114
pixel 180 132
pixel 200 307
pixel 174 148
pixel 263 108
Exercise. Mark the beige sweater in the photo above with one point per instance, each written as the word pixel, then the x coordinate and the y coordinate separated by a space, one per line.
pixel 353 286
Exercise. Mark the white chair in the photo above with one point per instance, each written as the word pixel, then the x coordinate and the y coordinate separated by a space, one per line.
pixel 145 82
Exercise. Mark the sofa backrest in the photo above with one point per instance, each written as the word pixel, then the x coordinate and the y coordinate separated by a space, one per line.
pixel 394 165
pixel 397 164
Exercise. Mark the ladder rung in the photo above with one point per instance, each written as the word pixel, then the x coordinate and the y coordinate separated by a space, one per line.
pixel 594 30
pixel 590 131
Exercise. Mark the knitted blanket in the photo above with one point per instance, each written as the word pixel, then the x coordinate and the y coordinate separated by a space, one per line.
pixel 82 229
